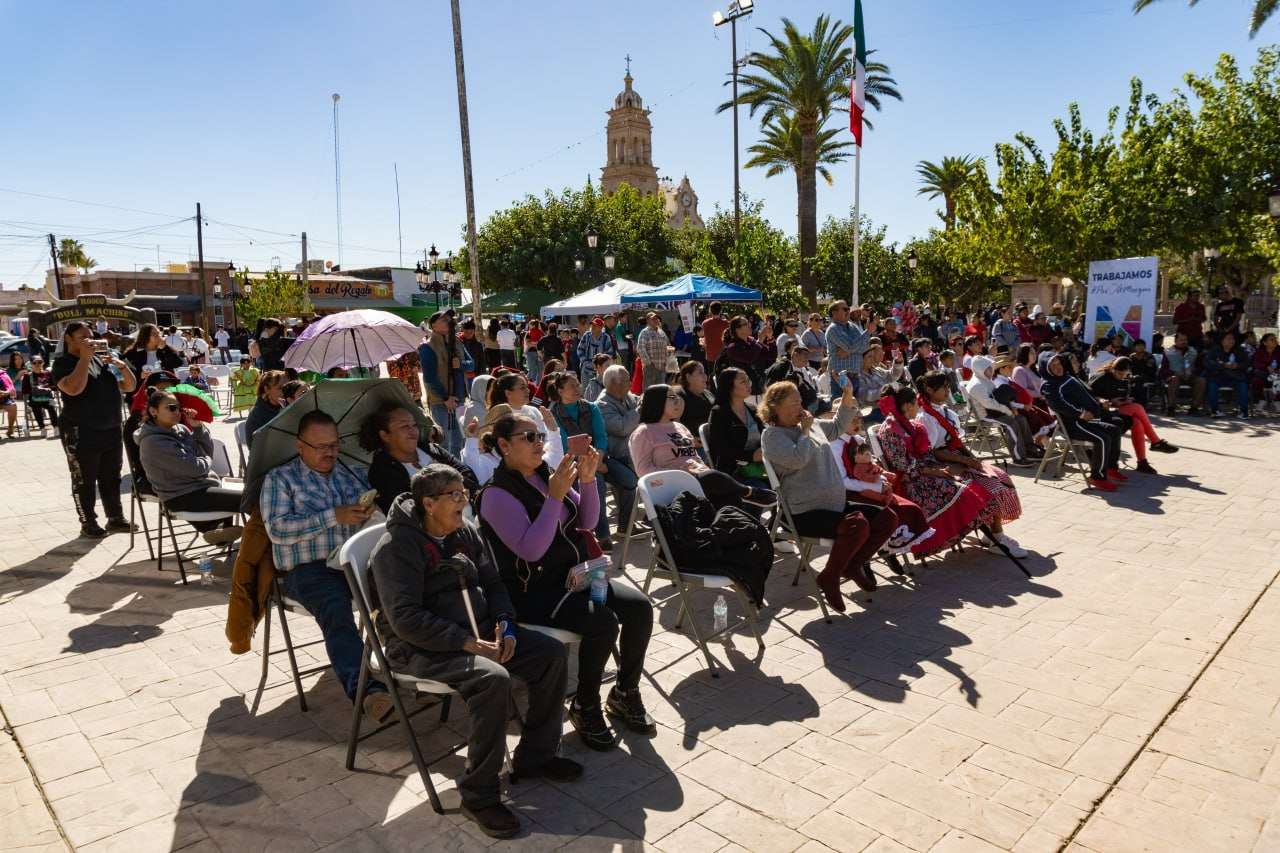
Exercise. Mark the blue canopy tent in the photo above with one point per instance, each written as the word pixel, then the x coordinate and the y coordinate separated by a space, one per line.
pixel 696 288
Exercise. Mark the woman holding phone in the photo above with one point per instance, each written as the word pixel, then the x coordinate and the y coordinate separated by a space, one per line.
pixel 582 428
pixel 90 425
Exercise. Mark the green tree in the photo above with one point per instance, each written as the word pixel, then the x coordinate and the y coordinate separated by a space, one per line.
pixel 945 179
pixel 533 243
pixel 804 77
pixel 1262 10
pixel 274 293
pixel 71 253
pixel 769 258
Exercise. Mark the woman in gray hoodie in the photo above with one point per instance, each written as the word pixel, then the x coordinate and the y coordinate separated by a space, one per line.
pixel 177 456
pixel 812 484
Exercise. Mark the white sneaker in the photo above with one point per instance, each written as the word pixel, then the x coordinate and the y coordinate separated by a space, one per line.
pixel 1009 542
pixel 782 546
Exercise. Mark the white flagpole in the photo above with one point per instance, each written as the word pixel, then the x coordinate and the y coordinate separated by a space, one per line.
pixel 857 219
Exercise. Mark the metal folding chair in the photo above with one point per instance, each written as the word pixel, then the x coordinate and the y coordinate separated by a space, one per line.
pixel 1059 448
pixel 354 557
pixel 805 544
pixel 242 444
pixel 659 489
pixel 283 605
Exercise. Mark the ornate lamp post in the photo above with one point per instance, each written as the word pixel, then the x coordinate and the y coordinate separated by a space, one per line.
pixel 588 268
pixel 436 279
pixel 737 9
pixel 232 294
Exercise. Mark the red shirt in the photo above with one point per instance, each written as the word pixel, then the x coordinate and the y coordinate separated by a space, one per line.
pixel 713 329
pixel 533 335
pixel 1189 320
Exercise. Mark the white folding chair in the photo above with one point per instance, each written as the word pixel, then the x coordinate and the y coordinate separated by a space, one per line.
pixel 981 430
pixel 242 444
pixel 805 544
pixel 354 556
pixel 659 489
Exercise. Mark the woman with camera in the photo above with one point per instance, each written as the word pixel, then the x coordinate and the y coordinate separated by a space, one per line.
pixel 539 524
pixel 90 380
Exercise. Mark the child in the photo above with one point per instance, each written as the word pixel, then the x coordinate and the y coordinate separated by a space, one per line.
pixel 864 470
pixel 948 362
pixel 595 385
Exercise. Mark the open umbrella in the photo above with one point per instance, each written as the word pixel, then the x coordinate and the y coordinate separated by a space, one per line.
pixel 347 401
pixel 191 397
pixel 363 338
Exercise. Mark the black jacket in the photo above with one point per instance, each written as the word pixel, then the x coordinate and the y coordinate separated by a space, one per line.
pixel 1107 387
pixel 729 438
pixel 784 371
pixel 418 607
pixel 1069 397
pixel 137 358
pixel 391 478
pixel 727 541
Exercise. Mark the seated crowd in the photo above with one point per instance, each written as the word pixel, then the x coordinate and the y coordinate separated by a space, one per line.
pixel 482 548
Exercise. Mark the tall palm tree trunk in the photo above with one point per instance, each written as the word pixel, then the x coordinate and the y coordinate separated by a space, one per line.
pixel 807 207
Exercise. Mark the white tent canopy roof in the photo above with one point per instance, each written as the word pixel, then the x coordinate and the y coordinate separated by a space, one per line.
pixel 603 299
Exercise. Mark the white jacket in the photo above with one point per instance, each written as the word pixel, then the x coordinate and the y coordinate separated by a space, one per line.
pixel 980 389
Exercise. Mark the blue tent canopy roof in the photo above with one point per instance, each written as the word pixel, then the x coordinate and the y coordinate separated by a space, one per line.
pixel 702 288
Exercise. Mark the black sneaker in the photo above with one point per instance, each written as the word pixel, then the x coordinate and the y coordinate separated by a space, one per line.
pixel 120 525
pixel 1145 467
pixel 1163 446
pixel 763 498
pixel 591 727
pixel 495 821
pixel 558 769
pixel 628 705
pixel 864 577
pixel 91 530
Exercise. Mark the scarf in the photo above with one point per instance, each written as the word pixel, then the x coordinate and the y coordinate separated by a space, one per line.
pixel 954 441
pixel 916 437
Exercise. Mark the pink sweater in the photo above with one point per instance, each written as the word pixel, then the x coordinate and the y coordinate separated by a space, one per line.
pixel 664 447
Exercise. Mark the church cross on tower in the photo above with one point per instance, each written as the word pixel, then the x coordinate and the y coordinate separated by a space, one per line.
pixel 628 57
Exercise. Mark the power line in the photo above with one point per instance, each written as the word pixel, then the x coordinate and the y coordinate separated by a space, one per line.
pixel 88 203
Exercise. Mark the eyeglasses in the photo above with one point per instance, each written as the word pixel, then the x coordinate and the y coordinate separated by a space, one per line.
pixel 171 407
pixel 333 447
pixel 530 435
pixel 458 495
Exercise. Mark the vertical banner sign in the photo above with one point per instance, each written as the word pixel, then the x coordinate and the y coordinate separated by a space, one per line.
pixel 1121 302
pixel 686 315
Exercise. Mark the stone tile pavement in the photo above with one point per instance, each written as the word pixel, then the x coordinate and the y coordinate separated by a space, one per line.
pixel 1125 699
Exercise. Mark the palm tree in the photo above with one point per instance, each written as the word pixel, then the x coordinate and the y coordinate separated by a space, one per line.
pixel 1262 10
pixel 779 150
pixel 946 180
pixel 71 253
pixel 803 79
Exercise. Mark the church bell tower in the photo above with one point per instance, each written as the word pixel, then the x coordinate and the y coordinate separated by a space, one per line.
pixel 629 141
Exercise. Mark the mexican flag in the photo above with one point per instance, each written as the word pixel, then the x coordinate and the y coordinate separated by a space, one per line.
pixel 858 84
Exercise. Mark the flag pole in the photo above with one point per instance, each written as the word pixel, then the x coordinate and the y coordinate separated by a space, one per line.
pixel 857 220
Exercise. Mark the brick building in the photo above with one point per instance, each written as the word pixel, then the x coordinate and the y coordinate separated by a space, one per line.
pixel 187 302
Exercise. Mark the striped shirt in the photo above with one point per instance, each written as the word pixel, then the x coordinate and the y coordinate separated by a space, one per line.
pixel 299 509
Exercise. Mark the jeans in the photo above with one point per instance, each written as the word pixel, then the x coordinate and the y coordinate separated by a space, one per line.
pixel 627 616
pixel 1241 389
pixel 326 596
pixel 533 359
pixel 623 480
pixel 450 429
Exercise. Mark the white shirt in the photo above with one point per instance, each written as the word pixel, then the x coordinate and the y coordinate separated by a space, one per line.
pixel 199 346
pixel 423 461
pixel 506 339
pixel 782 342
pixel 1098 360
pixel 222 338
pixel 938 435
pixel 176 342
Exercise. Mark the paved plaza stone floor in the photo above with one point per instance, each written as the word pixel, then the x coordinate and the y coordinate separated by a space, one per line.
pixel 1125 699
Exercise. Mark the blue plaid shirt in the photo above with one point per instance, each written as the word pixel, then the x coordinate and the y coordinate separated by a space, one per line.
pixel 848 336
pixel 299 510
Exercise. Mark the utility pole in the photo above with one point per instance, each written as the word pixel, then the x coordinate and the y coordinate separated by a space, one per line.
pixel 205 318
pixel 464 125
pixel 337 178
pixel 57 272
pixel 305 277
pixel 737 9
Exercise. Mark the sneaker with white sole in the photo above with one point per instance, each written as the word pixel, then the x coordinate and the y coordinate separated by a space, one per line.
pixel 1008 542
pixel 223 535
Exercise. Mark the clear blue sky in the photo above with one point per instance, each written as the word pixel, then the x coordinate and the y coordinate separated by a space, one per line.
pixel 155 106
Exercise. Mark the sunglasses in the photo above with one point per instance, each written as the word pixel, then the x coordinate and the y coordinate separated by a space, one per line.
pixel 171 407
pixel 530 435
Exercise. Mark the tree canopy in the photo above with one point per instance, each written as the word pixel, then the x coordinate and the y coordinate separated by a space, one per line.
pixel 274 293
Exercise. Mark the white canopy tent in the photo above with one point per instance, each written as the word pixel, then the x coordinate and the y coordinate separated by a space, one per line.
pixel 603 299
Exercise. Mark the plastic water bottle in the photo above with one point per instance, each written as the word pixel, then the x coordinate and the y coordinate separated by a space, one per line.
pixel 206 572
pixel 598 571
pixel 721 612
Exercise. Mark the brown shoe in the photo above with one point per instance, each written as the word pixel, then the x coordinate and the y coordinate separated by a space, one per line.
pixel 829 583
pixel 378 706
pixel 863 577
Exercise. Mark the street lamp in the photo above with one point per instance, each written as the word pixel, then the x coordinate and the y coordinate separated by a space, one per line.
pixel 737 9
pixel 437 280
pixel 912 260
pixel 588 267
pixel 1273 206
pixel 1211 262
pixel 232 295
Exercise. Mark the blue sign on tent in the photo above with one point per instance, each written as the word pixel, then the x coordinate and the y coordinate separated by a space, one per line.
pixel 698 288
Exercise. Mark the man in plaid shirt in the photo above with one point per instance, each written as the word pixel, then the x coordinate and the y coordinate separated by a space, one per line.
pixel 310 506
pixel 651 348
pixel 846 343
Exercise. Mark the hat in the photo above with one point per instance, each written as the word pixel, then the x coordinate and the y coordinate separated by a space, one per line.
pixel 1003 361
pixel 495 412
pixel 597 320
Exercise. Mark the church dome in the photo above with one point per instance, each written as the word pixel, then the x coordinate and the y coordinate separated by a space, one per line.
pixel 628 97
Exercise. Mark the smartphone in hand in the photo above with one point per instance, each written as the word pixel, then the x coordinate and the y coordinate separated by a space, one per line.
pixel 366 500
pixel 579 445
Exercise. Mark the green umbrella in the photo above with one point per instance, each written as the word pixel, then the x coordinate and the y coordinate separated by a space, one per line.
pixel 348 402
